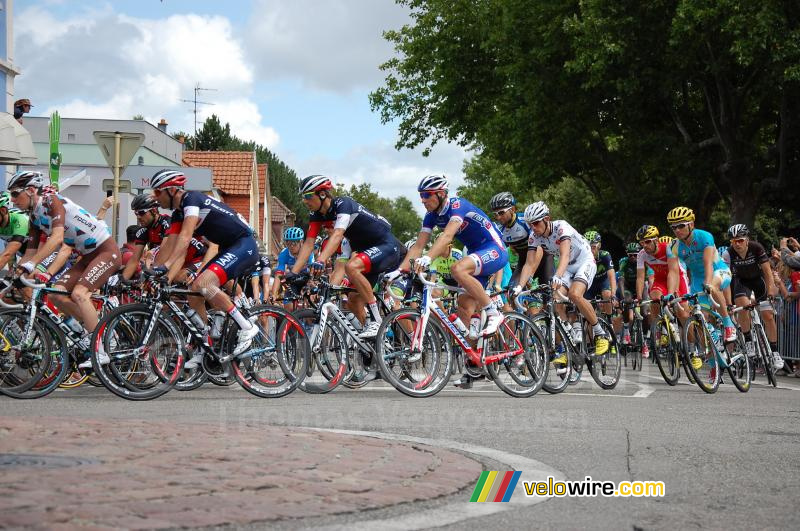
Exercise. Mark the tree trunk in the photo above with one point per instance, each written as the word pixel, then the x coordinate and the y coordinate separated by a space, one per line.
pixel 743 201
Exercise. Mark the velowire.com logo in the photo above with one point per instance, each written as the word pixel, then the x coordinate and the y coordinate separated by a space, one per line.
pixel 494 486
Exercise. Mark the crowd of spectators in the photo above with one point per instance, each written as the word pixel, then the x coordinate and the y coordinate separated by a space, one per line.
pixel 786 271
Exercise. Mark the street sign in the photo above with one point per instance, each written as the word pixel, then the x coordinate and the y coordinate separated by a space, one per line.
pixel 124 186
pixel 129 143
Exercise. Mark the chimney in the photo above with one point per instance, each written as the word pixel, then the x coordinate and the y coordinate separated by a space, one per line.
pixel 162 125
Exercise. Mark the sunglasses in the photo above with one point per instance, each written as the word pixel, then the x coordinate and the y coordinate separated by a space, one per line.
pixel 738 240
pixel 15 193
pixel 534 223
pixel 679 226
pixel 309 195
pixel 140 213
pixel 426 195
pixel 647 241
pixel 500 213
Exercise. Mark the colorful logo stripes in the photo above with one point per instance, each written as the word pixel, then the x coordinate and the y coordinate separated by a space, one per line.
pixel 494 486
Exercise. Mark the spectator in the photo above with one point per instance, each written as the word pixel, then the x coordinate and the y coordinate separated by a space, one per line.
pixel 127 247
pixel 21 107
pixel 790 253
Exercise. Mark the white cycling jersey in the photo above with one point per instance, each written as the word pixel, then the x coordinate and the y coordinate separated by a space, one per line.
pixel 579 252
pixel 82 231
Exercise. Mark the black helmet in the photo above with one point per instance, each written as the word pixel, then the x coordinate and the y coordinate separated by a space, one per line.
pixel 502 201
pixel 144 202
pixel 739 230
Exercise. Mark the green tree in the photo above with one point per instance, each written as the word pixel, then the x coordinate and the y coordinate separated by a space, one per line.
pixel 646 104
pixel 213 136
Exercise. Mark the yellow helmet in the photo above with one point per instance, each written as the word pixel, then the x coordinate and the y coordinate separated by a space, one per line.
pixel 646 232
pixel 665 239
pixel 680 214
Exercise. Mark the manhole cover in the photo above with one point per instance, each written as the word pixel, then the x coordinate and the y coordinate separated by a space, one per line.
pixel 43 461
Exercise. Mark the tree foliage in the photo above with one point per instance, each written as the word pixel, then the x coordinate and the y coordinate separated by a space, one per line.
pixel 644 105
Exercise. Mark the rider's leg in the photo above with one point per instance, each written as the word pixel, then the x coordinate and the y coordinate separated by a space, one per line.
pixel 355 269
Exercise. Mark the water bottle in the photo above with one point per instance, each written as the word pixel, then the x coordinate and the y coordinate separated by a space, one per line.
pixel 217 320
pixel 577 331
pixel 74 325
pixel 354 321
pixel 475 326
pixel 458 323
pixel 196 320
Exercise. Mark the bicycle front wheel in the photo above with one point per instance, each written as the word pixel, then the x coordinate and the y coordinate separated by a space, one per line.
pixel 700 355
pixel 666 351
pixel 27 353
pixel 735 355
pixel 559 364
pixel 522 372
pixel 605 368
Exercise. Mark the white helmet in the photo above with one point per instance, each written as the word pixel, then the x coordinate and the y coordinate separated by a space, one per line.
pixel 536 211
pixel 25 178
pixel 432 182
pixel 315 183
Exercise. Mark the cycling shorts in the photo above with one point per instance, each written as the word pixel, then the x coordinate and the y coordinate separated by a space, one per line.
pixel 381 258
pixel 544 271
pixel 488 260
pixel 660 284
pixel 599 285
pixel 93 269
pixel 697 284
pixel 743 287
pixel 232 261
pixel 584 272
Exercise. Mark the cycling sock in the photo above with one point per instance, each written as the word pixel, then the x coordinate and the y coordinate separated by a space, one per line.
pixel 373 310
pixel 597 330
pixel 727 321
pixel 748 336
pixel 237 316
pixel 490 308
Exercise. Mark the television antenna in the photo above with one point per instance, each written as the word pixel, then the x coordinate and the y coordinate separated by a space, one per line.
pixel 196 102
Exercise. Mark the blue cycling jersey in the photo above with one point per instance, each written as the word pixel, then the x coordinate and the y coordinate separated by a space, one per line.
pixel 362 228
pixel 692 254
pixel 218 223
pixel 286 261
pixel 475 230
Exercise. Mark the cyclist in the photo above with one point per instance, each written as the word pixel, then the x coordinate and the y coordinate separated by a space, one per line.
pixel 260 279
pixel 457 217
pixel 196 213
pixel 64 222
pixel 626 284
pixel 375 250
pixel 575 271
pixel 604 284
pixel 293 238
pixel 752 275
pixel 13 229
pixel 707 272
pixel 515 233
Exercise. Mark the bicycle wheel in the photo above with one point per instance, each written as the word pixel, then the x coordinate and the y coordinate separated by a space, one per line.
pixel 765 353
pixel 735 355
pixel 61 362
pixel 666 351
pixel 276 362
pixel 418 373
pixel 637 343
pixel 27 353
pixel 140 368
pixel 523 371
pixel 605 368
pixel 700 355
pixel 327 366
pixel 559 364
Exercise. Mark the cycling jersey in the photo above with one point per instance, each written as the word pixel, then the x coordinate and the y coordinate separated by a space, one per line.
pixel 82 231
pixel 475 231
pixel 153 236
pixel 692 254
pixel 362 228
pixel 660 266
pixel 604 264
pixel 286 260
pixel 516 237
pixel 263 267
pixel 627 271
pixel 17 228
pixel 749 265
pixel 217 223
pixel 579 251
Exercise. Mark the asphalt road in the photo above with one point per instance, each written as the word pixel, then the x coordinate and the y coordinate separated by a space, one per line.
pixel 728 460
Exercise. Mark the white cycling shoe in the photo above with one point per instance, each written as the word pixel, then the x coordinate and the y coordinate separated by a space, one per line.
pixel 493 322
pixel 245 337
pixel 370 331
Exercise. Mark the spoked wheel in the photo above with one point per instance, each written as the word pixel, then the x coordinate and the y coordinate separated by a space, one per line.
pixel 765 353
pixel 523 372
pixel 27 360
pixel 735 355
pixel 666 352
pixel 700 356
pixel 140 368
pixel 559 364
pixel 605 368
pixel 418 372
pixel 276 362
pixel 328 358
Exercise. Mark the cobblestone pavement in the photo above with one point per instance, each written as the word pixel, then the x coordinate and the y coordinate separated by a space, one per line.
pixel 62 473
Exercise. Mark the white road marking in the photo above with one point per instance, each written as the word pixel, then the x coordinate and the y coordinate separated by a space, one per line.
pixel 531 469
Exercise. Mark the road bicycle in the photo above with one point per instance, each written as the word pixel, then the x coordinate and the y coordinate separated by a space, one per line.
pixel 763 353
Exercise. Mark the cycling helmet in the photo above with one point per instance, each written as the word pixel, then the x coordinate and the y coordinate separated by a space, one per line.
pixel 5 200
pixel 666 239
pixel 633 248
pixel 25 178
pixel 680 214
pixel 144 202
pixel 167 179
pixel 536 211
pixel 293 234
pixel 592 236
pixel 315 183
pixel 432 183
pixel 738 231
pixel 502 201
pixel 410 243
pixel 646 232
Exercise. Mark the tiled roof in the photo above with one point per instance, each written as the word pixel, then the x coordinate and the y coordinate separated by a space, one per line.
pixel 262 182
pixel 278 210
pixel 232 171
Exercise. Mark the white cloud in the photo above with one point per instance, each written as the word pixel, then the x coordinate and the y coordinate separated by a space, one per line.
pixel 390 172
pixel 329 45
pixel 106 65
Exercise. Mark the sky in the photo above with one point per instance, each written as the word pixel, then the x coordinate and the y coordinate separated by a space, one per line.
pixel 293 75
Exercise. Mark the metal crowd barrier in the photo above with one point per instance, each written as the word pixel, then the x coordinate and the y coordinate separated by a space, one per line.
pixel 789 329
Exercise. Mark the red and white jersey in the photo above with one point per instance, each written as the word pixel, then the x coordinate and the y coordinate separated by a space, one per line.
pixel 658 263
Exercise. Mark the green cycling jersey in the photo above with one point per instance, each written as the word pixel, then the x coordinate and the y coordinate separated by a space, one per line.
pixel 17 228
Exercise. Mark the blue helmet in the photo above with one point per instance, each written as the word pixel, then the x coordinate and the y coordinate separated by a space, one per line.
pixel 293 234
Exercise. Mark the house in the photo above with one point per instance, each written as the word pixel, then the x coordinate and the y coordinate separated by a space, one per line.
pixel 281 218
pixel 236 178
